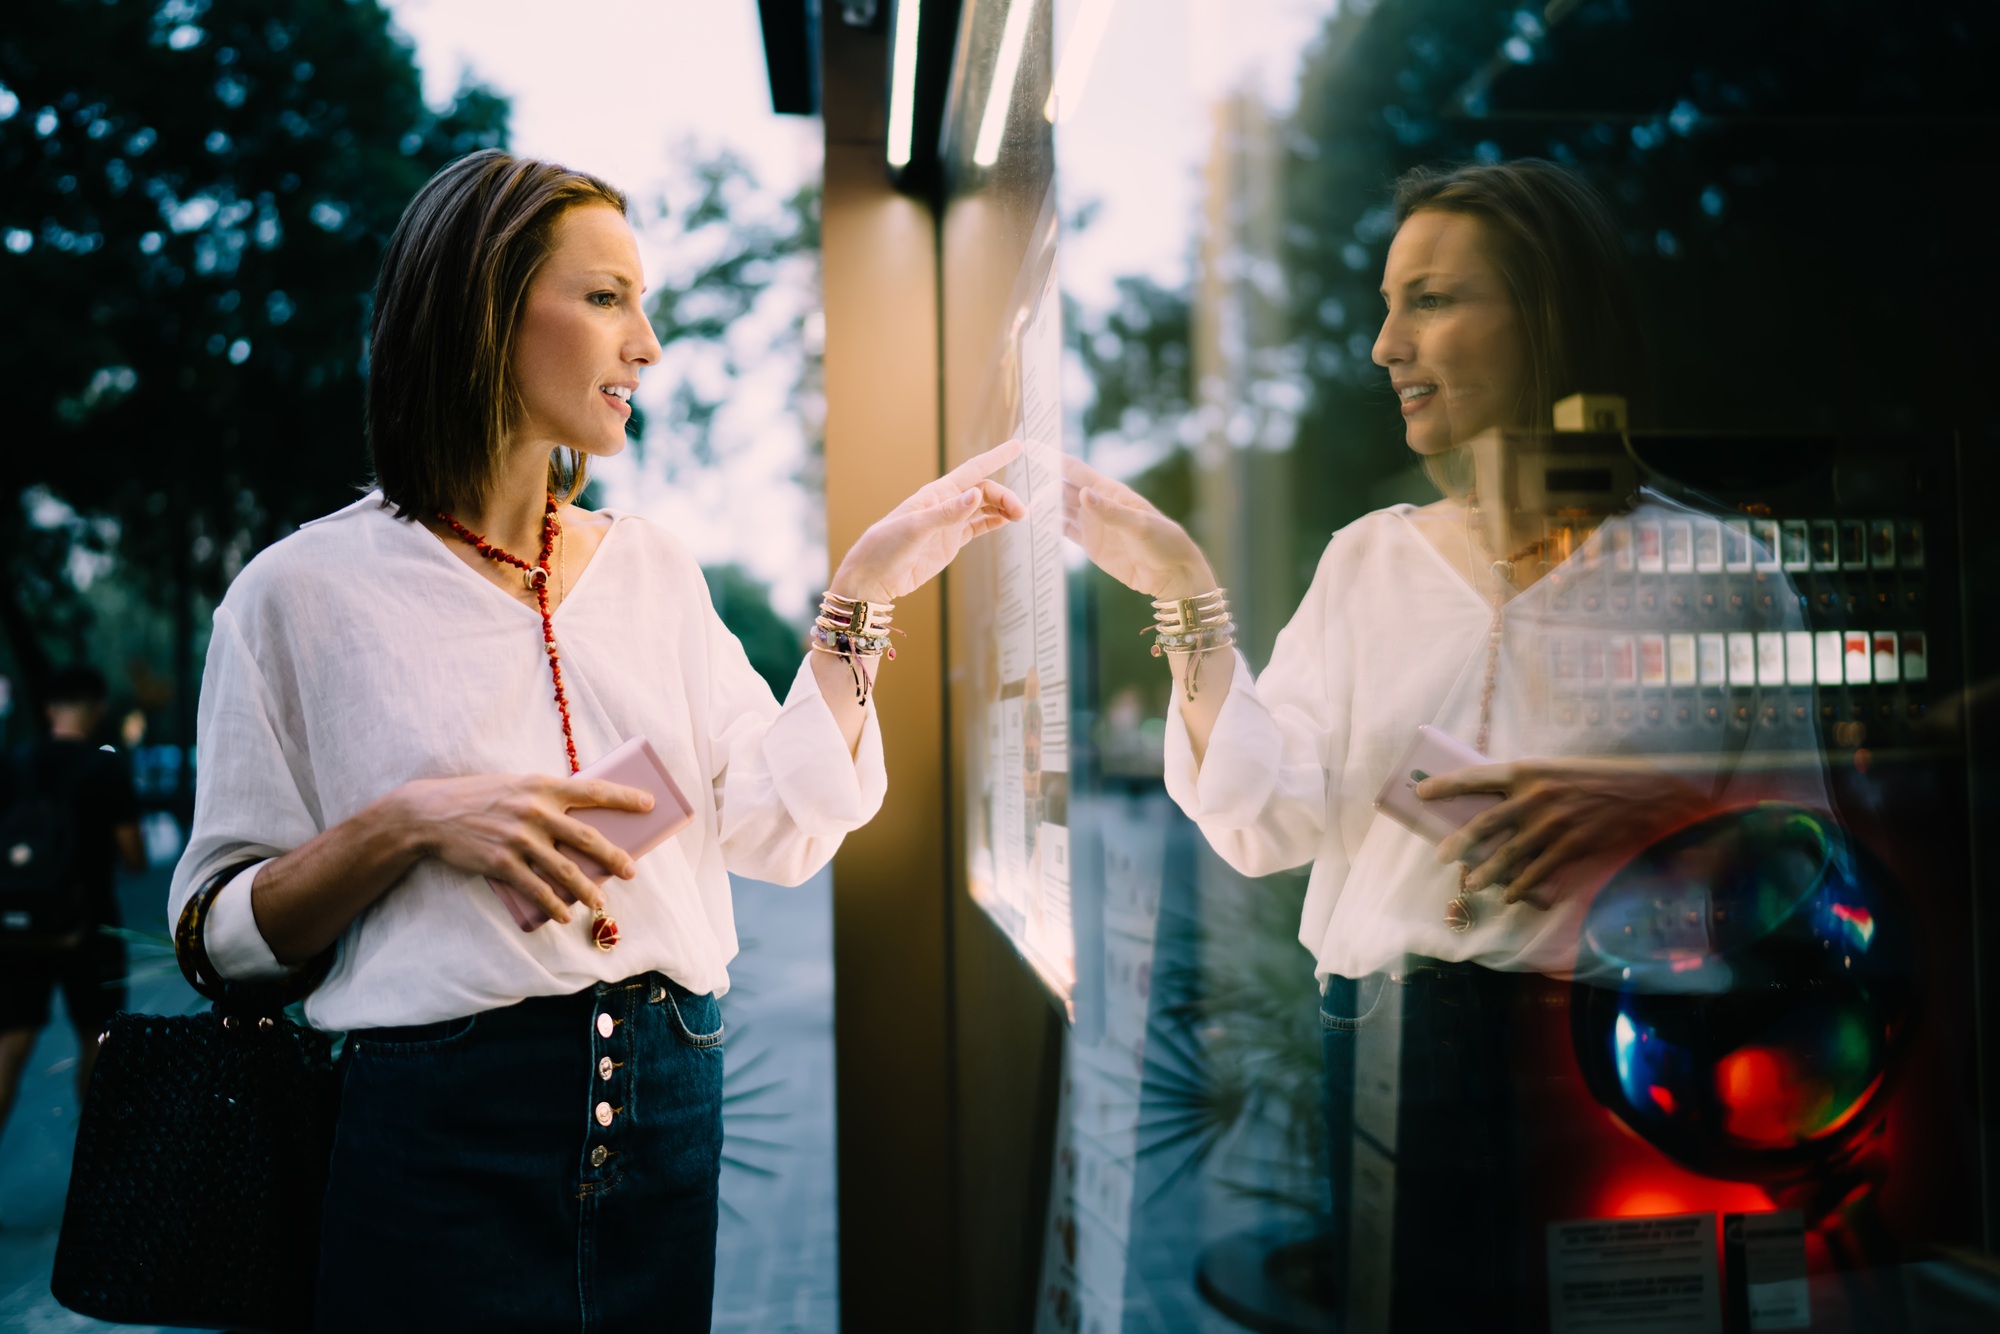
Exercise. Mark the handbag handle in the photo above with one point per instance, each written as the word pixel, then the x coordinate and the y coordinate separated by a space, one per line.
pixel 191 952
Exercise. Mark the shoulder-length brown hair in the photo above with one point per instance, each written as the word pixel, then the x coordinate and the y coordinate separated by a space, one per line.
pixel 1557 248
pixel 442 397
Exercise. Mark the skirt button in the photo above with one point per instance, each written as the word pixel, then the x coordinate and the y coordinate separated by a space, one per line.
pixel 604 1025
pixel 604 1113
pixel 598 1155
pixel 604 1067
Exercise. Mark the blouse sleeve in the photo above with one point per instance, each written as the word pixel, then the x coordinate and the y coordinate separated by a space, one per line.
pixel 1259 793
pixel 786 788
pixel 253 799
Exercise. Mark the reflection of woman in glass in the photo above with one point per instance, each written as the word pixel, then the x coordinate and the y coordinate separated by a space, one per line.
pixel 1505 292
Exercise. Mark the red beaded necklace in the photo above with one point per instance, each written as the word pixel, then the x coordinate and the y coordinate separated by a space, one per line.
pixel 603 930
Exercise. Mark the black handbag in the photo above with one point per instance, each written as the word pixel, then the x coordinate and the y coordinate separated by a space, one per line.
pixel 201 1158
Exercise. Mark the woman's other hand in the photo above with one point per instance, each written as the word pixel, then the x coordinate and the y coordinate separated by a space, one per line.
pixel 516 829
pixel 904 550
pixel 512 827
pixel 1557 811
pixel 1129 539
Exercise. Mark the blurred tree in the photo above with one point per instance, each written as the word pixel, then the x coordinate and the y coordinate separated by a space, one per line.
pixel 772 644
pixel 1780 171
pixel 737 315
pixel 1784 175
pixel 743 299
pixel 194 198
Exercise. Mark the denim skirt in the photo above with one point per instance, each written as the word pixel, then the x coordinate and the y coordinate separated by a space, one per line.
pixel 547 1166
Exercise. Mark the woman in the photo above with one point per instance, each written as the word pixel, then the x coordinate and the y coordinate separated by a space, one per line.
pixel 395 695
pixel 1505 293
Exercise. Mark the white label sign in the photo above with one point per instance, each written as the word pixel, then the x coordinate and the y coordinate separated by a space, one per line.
pixel 1615 1275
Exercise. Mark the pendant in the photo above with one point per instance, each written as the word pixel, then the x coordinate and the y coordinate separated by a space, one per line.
pixel 1458 913
pixel 603 931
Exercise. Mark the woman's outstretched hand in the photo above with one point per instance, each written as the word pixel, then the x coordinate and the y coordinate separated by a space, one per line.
pixel 1127 538
pixel 904 550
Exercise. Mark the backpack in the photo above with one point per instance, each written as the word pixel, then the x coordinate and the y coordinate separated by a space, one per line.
pixel 42 903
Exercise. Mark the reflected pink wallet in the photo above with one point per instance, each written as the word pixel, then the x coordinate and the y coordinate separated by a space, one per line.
pixel 634 764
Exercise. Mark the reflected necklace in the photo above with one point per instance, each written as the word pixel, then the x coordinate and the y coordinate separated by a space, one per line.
pixel 1458 913
pixel 603 930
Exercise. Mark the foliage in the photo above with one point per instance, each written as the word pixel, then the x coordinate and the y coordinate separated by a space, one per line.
pixel 1777 171
pixel 1236 1047
pixel 194 198
pixel 732 311
pixel 1138 361
pixel 772 645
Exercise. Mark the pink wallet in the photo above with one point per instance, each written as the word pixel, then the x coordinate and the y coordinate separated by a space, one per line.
pixel 633 764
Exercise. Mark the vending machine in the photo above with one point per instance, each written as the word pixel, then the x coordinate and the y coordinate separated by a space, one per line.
pixel 1760 1084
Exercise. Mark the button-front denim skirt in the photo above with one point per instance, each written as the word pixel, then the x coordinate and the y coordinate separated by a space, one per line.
pixel 547 1166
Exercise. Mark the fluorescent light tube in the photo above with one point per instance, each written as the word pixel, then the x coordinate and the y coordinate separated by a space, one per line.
pixel 1000 93
pixel 903 84
pixel 1078 55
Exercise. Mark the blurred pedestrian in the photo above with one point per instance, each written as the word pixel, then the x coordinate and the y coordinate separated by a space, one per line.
pixel 68 818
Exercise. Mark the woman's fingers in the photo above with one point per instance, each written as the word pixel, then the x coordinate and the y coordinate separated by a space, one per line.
pixel 1081 476
pixel 962 478
pixel 519 873
pixel 1534 876
pixel 1495 819
pixel 571 832
pixel 1528 835
pixel 999 499
pixel 578 792
pixel 982 465
pixel 557 870
pixel 1474 778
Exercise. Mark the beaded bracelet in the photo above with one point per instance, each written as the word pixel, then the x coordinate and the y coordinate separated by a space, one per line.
pixel 854 631
pixel 1196 627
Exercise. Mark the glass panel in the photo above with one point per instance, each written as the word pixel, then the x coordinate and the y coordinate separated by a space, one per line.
pixel 1558 915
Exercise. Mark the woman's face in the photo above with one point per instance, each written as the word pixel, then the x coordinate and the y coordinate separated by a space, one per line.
pixel 1452 342
pixel 584 336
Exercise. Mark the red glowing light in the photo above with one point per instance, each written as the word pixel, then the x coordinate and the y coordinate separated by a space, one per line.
pixel 1650 1203
pixel 1764 1103
pixel 1660 1189
pixel 1662 1098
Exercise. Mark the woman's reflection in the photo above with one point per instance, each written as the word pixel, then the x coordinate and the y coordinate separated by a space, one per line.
pixel 1510 633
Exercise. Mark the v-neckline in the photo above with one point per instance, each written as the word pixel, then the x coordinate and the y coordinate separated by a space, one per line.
pixel 444 549
pixel 1458 576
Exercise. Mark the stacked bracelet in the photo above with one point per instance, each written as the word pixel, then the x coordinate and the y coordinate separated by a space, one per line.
pixel 856 632
pixel 1194 626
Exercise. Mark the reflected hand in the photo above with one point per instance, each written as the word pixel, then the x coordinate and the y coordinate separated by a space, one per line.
pixel 1556 811
pixel 904 550
pixel 1128 538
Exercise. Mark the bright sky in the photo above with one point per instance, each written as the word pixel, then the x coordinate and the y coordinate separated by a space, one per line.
pixel 610 87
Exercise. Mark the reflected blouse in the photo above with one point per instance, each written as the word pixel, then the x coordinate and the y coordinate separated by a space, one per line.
pixel 1389 636
pixel 360 653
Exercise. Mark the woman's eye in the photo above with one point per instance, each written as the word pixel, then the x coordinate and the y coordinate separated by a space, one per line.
pixel 1430 301
pixel 604 298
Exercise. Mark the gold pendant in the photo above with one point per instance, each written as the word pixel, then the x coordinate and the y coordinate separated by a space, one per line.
pixel 603 931
pixel 1458 913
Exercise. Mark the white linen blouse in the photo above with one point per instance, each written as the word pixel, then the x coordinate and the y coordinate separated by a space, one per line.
pixel 360 653
pixel 1389 636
